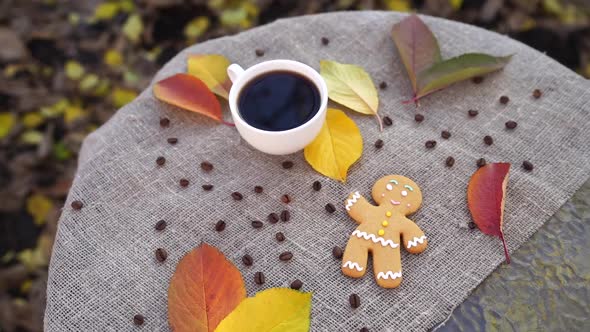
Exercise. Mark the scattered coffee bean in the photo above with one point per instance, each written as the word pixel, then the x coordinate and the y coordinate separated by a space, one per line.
pixel 418 117
pixel 325 41
pixel 477 79
pixel 77 205
pixel 445 134
pixel 504 100
pixel 259 52
pixel 207 187
pixel 450 161
pixel 317 185
pixel 286 199
pixel 259 278
pixel 138 320
pixel 160 161
pixel 379 143
pixel 286 256
pixel 183 183
pixel 430 144
pixel 387 121
pixel 527 165
pixel 280 236
pixel 172 140
pixel 481 162
pixel 330 208
pixel 511 124
pixel 296 284
pixel 285 215
pixel 273 218
pixel 537 93
pixel 206 166
pixel 220 226
pixel 472 113
pixel 247 260
pixel 337 252
pixel 164 122
pixel 488 140
pixel 258 189
pixel 471 225
pixel 383 85
pixel 287 164
pixel 237 196
pixel 354 300
pixel 364 329
pixel 160 225
pixel 257 224
pixel 161 255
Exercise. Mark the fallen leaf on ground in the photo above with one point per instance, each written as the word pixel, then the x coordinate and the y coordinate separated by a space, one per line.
pixel 39 207
pixel 212 70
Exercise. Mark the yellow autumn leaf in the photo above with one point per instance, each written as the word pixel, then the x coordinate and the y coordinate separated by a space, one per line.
pixel 7 122
pixel 121 97
pixel 212 70
pixel 338 145
pixel 39 206
pixel 275 309
pixel 351 86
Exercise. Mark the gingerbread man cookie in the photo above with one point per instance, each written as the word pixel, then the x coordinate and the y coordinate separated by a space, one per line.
pixel 383 229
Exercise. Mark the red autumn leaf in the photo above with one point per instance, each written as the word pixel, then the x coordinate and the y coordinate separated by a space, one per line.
pixel 189 93
pixel 486 193
pixel 204 289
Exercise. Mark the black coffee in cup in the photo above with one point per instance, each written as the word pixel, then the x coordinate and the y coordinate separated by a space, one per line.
pixel 278 100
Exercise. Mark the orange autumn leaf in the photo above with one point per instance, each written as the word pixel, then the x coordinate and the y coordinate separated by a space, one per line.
pixel 189 93
pixel 486 194
pixel 204 289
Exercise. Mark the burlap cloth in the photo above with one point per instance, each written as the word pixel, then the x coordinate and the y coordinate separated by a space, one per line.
pixel 103 270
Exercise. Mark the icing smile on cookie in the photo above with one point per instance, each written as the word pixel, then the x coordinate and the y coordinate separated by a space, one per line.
pixel 395 202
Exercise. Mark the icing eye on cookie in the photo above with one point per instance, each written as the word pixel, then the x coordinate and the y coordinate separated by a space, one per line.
pixel 389 187
pixel 404 193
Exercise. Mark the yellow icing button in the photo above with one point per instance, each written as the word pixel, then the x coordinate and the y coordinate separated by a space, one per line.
pixel 385 223
pixel 381 232
pixel 388 213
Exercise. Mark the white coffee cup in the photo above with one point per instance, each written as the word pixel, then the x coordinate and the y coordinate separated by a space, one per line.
pixel 277 142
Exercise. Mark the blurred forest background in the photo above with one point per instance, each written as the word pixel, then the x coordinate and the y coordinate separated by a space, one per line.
pixel 67 66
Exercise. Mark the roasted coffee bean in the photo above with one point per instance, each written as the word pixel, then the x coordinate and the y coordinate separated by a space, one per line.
pixel 287 164
pixel 206 166
pixel 379 143
pixel 488 140
pixel 273 218
pixel 296 284
pixel 237 196
pixel 280 236
pixel 472 113
pixel 445 134
pixel 259 52
pixel 160 225
pixel 430 144
pixel 354 300
pixel 172 140
pixel 184 182
pixel 138 320
pixel 258 189
pixel 418 117
pixel 317 185
pixel 477 79
pixel 471 225
pixel 247 260
pixel 286 199
pixel 537 94
pixel 504 100
pixel 511 124
pixel 481 162
pixel 257 224
pixel 364 329
pixel 450 161
pixel 164 122
pixel 285 215
pixel 387 121
pixel 77 205
pixel 161 255
pixel 383 85
pixel 220 226
pixel 337 252
pixel 286 256
pixel 259 278
pixel 330 208
pixel 160 161
pixel 527 165
pixel 207 187
pixel 325 41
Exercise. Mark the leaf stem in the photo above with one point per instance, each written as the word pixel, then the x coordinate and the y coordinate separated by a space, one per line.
pixel 505 248
pixel 379 121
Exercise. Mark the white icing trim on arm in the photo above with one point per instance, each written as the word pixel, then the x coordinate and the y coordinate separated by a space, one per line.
pixel 352 200
pixel 414 242
pixel 389 275
pixel 352 265
pixel 375 239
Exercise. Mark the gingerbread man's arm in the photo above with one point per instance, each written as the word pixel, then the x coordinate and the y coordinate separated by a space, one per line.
pixel 413 237
pixel 357 207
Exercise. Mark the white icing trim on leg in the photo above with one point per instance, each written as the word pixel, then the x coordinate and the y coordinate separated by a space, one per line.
pixel 414 242
pixel 389 275
pixel 353 265
pixel 352 200
pixel 375 239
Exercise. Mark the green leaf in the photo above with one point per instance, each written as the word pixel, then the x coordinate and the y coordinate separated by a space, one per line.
pixel 32 137
pixel 133 28
pixel 460 68
pixel 106 11
pixel 74 70
pixel 61 152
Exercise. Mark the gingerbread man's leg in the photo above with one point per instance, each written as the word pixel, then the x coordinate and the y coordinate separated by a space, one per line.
pixel 387 267
pixel 354 261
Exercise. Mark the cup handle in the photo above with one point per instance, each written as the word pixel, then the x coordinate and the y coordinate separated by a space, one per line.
pixel 234 71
